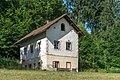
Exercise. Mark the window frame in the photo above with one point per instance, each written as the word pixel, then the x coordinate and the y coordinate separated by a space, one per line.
pixel 39 46
pixel 56 64
pixel 62 27
pixel 56 44
pixel 25 66
pixel 68 46
pixel 30 65
pixel 34 65
pixel 67 65
pixel 31 48
pixel 25 50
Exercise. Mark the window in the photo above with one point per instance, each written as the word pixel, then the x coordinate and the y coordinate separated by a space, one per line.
pixel 68 46
pixel 25 50
pixel 56 64
pixel 39 43
pixel 23 61
pixel 39 64
pixel 34 65
pixel 62 27
pixel 56 44
pixel 30 65
pixel 31 48
pixel 25 66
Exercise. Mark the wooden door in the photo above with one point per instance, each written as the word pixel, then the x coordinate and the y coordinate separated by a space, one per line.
pixel 68 65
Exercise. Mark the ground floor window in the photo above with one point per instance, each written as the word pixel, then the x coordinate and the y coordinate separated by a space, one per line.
pixel 56 64
pixel 30 65
pixel 25 66
pixel 39 64
pixel 34 65
pixel 23 61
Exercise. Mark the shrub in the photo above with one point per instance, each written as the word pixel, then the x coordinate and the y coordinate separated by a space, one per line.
pixel 9 63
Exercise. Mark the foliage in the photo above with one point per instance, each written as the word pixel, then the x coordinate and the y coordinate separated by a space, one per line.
pixel 7 63
pixel 19 17
pixel 100 49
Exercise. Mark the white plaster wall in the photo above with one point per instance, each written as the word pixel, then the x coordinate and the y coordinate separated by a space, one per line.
pixel 55 33
pixel 47 45
pixel 34 41
pixel 62 61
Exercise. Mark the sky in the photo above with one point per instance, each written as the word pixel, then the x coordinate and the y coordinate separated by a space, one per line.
pixel 86 25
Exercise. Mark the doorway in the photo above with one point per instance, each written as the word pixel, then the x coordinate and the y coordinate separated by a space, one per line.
pixel 68 65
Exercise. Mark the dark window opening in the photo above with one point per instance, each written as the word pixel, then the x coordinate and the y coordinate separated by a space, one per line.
pixel 25 66
pixel 62 27
pixel 31 48
pixel 34 65
pixel 25 50
pixel 39 64
pixel 56 64
pixel 68 46
pixel 30 65
pixel 39 43
pixel 56 44
pixel 23 61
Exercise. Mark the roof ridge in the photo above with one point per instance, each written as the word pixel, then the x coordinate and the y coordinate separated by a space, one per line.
pixel 46 26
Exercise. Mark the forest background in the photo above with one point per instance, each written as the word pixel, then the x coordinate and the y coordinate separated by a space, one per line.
pixel 98 19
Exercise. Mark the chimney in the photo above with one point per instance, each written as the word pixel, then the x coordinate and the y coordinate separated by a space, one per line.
pixel 47 21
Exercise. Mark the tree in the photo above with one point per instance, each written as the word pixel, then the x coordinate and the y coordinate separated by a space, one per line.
pixel 99 48
pixel 19 17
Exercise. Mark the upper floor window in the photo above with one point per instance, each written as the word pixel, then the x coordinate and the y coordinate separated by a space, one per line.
pixel 56 44
pixel 25 50
pixel 39 43
pixel 68 46
pixel 62 27
pixel 31 48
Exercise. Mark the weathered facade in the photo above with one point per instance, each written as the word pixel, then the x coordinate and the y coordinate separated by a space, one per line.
pixel 53 46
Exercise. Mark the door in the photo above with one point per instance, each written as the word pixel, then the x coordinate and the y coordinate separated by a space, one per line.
pixel 56 64
pixel 68 65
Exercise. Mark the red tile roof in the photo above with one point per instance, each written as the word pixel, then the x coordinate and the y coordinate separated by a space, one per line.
pixel 46 26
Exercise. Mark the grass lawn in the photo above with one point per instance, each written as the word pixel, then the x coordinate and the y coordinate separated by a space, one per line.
pixel 49 75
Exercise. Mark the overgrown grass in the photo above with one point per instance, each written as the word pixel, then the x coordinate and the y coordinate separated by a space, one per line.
pixel 49 75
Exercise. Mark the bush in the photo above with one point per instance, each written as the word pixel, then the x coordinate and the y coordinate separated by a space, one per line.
pixel 9 63
pixel 114 70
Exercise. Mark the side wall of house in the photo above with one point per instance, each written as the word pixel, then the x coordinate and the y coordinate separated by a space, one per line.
pixel 35 57
pixel 61 54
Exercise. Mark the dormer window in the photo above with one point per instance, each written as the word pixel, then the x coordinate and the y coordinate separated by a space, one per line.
pixel 62 27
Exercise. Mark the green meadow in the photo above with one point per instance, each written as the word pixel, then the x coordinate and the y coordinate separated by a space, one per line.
pixel 51 75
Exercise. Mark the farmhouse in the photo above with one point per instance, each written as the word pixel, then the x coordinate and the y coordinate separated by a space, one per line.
pixel 53 46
